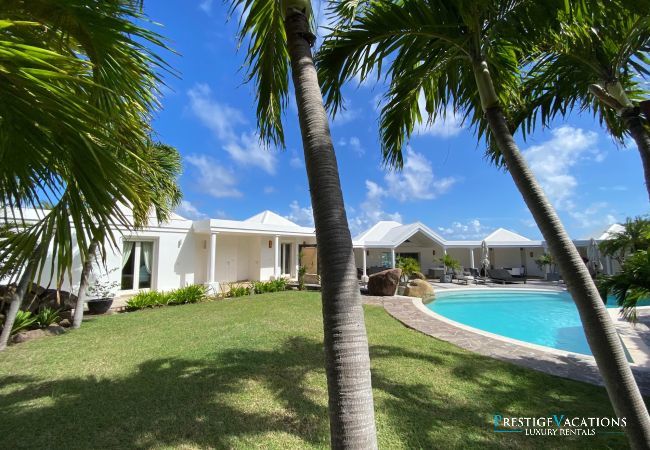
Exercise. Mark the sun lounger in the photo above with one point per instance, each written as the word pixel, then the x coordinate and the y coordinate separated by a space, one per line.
pixel 503 276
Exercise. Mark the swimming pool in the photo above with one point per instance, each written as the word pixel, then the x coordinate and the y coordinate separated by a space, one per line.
pixel 540 317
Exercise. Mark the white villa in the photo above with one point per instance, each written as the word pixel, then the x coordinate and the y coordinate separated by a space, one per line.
pixel 265 246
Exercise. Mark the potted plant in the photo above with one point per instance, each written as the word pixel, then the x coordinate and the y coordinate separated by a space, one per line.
pixel 547 264
pixel 101 293
pixel 450 263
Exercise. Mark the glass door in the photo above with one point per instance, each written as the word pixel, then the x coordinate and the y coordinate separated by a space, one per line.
pixel 285 259
pixel 137 264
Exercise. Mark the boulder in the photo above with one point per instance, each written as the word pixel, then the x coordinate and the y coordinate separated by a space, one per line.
pixel 418 276
pixel 419 288
pixel 384 283
pixel 65 323
pixel 24 336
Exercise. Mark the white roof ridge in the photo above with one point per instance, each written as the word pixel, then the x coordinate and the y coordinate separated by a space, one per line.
pixel 508 232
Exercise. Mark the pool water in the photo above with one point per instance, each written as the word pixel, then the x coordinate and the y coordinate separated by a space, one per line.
pixel 544 318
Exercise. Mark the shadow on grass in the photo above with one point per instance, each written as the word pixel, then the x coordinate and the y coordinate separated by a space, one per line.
pixel 180 402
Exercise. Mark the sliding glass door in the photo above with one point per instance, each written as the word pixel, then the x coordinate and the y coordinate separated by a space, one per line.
pixel 137 264
pixel 285 259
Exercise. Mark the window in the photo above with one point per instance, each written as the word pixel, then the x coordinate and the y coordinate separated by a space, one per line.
pixel 386 260
pixel 285 259
pixel 137 264
pixel 415 256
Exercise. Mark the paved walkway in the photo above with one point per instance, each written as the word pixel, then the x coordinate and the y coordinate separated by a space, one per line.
pixel 410 312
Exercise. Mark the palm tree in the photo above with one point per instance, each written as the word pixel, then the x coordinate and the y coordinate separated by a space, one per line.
pixel 164 166
pixel 631 285
pixel 77 90
pixel 595 60
pixel 280 40
pixel 634 236
pixel 467 53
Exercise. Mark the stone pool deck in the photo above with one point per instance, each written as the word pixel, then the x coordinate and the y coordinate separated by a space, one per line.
pixel 413 314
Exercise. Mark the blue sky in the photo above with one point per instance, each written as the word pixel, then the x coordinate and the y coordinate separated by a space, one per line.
pixel 209 115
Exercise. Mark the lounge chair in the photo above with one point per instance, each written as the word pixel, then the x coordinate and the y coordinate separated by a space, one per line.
pixel 463 276
pixel 503 276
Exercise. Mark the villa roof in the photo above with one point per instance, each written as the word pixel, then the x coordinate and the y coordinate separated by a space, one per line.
pixel 265 222
pixel 389 234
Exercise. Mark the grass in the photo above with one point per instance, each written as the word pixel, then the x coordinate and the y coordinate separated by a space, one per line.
pixel 248 373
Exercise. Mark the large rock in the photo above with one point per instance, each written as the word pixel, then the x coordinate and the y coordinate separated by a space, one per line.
pixel 418 276
pixel 384 283
pixel 419 288
pixel 24 336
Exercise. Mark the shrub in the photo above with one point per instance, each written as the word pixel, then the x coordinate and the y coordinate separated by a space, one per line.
pixel 409 266
pixel 238 291
pixel 24 320
pixel 262 287
pixel 147 299
pixel 301 278
pixel 193 293
pixel 46 317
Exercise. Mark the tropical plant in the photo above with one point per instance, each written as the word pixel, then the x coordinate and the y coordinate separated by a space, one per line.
pixel 449 262
pixel 236 290
pixel 634 236
pixel 23 321
pixel 408 265
pixel 302 270
pixel 595 59
pixel 280 37
pixel 91 69
pixel 47 316
pixel 466 55
pixel 193 293
pixel 631 285
pixel 160 189
pixel 545 261
pixel 147 299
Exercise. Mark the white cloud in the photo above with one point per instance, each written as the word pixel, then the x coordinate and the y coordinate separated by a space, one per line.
pixel 473 229
pixel 416 181
pixel 302 215
pixel 446 125
pixel 354 144
pixel 553 162
pixel 244 148
pixel 189 211
pixel 296 161
pixel 371 210
pixel 344 116
pixel 269 189
pixel 249 151
pixel 206 5
pixel 213 178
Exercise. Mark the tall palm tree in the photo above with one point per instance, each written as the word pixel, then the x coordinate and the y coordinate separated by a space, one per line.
pixel 77 90
pixel 466 53
pixel 634 236
pixel 595 60
pixel 280 39
pixel 164 166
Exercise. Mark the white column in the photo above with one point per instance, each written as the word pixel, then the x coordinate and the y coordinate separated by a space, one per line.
pixel 212 258
pixel 296 253
pixel 471 257
pixel 608 265
pixel 392 257
pixel 365 270
pixel 276 257
pixel 444 250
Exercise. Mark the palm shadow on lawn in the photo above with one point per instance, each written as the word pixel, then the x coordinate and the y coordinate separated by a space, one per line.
pixel 176 402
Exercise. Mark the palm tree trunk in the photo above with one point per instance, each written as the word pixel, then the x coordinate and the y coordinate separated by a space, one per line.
pixel 600 331
pixel 16 302
pixel 351 410
pixel 635 126
pixel 83 284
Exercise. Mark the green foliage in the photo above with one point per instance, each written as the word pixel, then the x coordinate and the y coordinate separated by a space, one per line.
pixel 193 293
pixel 635 236
pixel 147 299
pixel 631 285
pixel 408 265
pixel 47 316
pixel 263 287
pixel 23 321
pixel 546 260
pixel 236 290
pixel 301 277
pixel 449 262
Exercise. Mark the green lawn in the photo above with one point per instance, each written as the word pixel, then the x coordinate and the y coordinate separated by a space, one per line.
pixel 248 373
